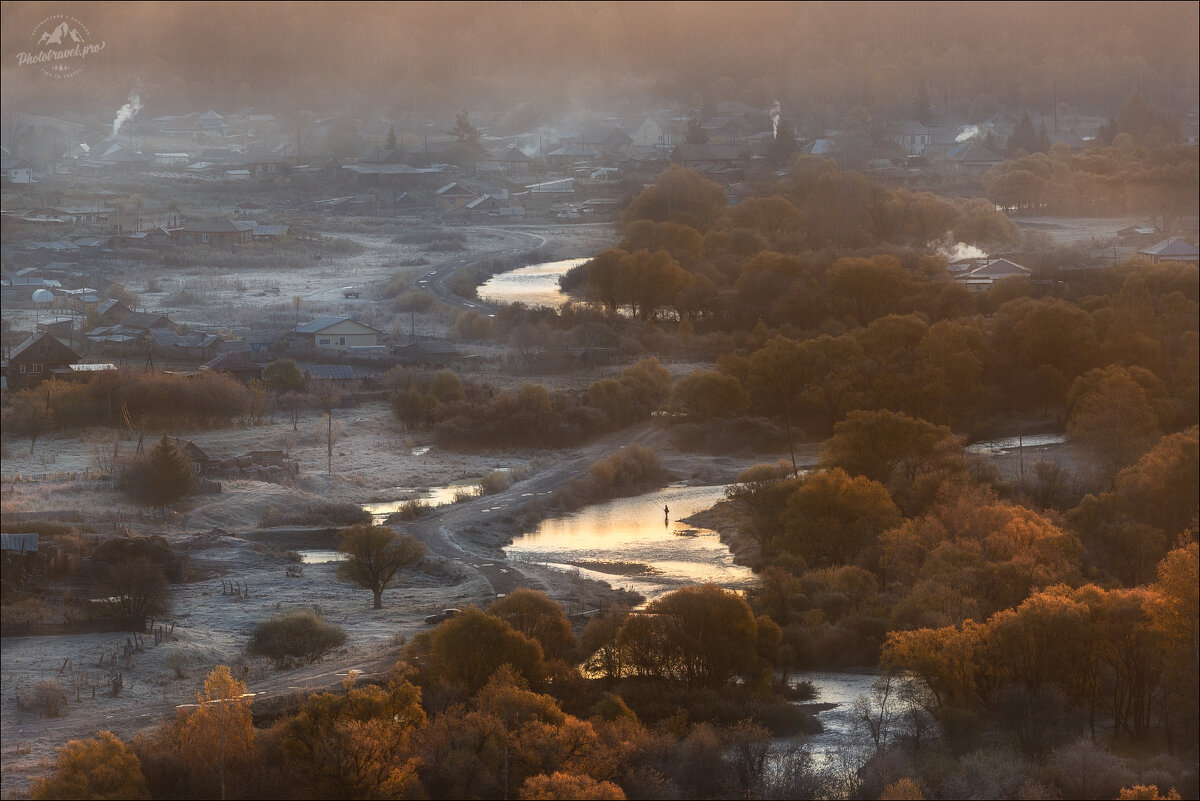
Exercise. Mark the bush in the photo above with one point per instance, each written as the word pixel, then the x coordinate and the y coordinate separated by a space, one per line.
pixel 99 767
pixel 494 482
pixel 49 698
pixel 178 661
pixel 329 513
pixel 299 635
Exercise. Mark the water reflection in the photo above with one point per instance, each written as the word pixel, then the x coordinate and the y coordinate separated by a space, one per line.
pixel 321 557
pixel 430 496
pixel 995 446
pixel 630 543
pixel 536 285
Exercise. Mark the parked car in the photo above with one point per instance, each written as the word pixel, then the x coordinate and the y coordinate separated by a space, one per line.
pixel 445 614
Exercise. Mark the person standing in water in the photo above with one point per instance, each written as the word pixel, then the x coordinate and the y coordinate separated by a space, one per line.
pixel 666 515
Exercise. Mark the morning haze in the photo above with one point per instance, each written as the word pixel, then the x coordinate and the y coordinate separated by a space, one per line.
pixel 600 400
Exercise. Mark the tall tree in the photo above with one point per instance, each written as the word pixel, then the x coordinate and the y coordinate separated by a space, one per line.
pixel 391 137
pixel 695 135
pixel 463 130
pixel 375 555
pixel 217 738
pixel 922 109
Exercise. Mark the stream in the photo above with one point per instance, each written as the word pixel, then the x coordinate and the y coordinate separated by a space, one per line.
pixel 536 285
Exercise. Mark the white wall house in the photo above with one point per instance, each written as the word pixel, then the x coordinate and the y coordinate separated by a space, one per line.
pixel 336 333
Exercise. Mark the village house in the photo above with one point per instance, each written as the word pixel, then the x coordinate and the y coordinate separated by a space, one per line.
pixel 16 172
pixel 170 345
pixel 235 365
pixel 514 163
pixel 76 215
pixel 220 231
pixel 453 196
pixel 334 334
pixel 982 277
pixel 913 137
pixel 35 359
pixel 972 158
pixel 1172 249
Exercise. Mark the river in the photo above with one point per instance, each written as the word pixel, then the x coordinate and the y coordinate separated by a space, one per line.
pixel 631 543
pixel 536 285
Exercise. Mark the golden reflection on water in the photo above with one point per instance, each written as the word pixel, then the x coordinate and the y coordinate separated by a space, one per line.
pixel 536 285
pixel 635 532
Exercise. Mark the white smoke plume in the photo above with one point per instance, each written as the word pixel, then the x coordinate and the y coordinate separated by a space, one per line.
pixel 774 112
pixel 970 132
pixel 127 112
pixel 953 251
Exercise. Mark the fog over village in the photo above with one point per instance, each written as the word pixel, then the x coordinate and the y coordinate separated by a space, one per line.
pixel 600 400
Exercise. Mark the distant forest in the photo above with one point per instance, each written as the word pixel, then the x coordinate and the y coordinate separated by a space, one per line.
pixel 817 59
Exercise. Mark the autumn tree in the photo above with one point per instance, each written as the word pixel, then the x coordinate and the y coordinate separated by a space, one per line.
pixel 1175 613
pixel 217 738
pixel 702 636
pixel 599 642
pixel 99 767
pixel 535 615
pixel 891 448
pixel 374 555
pixel 776 381
pixel 1114 412
pixel 833 518
pixel 706 395
pixel 568 785
pixel 864 289
pixel 30 414
pixel 357 744
pixel 679 196
pixel 466 650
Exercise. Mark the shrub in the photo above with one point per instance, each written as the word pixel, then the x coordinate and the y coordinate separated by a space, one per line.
pixel 494 482
pixel 178 661
pixel 328 513
pixel 49 698
pixel 99 767
pixel 300 635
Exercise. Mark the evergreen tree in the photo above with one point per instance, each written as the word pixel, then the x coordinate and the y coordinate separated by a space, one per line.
pixel 922 109
pixel 696 135
pixel 1043 139
pixel 1023 137
pixel 163 477
pixel 391 137
pixel 784 144
pixel 464 130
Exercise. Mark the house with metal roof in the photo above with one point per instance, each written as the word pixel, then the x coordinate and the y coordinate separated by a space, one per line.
pixel 216 231
pixel 236 365
pixel 1172 249
pixel 982 277
pixel 33 360
pixel 334 334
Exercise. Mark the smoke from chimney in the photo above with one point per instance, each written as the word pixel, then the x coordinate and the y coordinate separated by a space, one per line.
pixel 127 112
pixel 970 132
